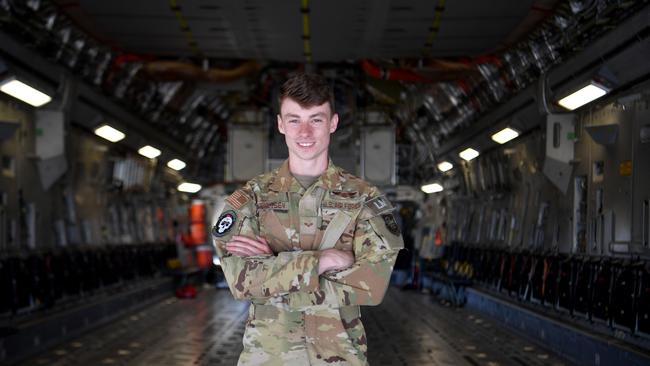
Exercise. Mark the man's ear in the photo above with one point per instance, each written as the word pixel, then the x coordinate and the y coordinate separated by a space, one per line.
pixel 280 126
pixel 334 122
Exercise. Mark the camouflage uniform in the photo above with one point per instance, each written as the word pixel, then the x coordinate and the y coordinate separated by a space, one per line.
pixel 298 317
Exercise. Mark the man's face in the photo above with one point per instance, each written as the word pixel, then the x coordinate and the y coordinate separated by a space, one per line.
pixel 306 130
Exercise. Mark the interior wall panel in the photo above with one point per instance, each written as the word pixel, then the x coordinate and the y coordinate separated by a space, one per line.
pixel 532 213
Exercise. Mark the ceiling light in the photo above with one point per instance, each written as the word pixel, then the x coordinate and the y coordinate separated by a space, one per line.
pixel 583 96
pixel 149 151
pixel 109 133
pixel 505 135
pixel 431 188
pixel 176 164
pixel 24 92
pixel 189 187
pixel 468 154
pixel 444 166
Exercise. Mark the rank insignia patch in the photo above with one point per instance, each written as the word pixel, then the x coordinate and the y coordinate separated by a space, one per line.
pixel 224 224
pixel 391 224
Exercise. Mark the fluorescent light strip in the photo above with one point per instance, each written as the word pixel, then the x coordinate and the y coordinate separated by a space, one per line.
pixel 505 135
pixel 109 133
pixel 468 154
pixel 445 166
pixel 583 96
pixel 176 164
pixel 24 92
pixel 189 187
pixel 431 188
pixel 149 152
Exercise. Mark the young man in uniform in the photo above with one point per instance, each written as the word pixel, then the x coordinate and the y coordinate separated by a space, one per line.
pixel 307 244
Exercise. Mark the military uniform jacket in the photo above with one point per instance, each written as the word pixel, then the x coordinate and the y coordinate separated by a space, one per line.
pixel 297 317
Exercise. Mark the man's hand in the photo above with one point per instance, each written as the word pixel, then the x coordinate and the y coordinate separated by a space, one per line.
pixel 244 246
pixel 334 259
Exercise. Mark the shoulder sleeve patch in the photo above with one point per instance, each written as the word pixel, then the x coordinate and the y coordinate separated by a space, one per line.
pixel 387 228
pixel 379 205
pixel 238 199
pixel 226 221
pixel 391 224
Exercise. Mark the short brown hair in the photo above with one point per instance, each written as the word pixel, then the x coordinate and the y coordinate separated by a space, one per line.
pixel 308 90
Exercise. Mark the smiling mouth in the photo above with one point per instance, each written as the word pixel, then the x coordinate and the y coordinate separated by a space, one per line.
pixel 306 144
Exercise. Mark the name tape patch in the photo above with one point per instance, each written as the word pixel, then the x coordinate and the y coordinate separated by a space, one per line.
pixel 274 205
pixel 341 205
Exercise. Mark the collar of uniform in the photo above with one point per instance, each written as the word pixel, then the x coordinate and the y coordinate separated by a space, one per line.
pixel 285 182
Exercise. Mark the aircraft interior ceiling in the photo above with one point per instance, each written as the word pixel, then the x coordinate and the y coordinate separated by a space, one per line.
pixel 184 71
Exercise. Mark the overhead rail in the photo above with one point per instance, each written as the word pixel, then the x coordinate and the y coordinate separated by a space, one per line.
pixel 91 102
pixel 622 52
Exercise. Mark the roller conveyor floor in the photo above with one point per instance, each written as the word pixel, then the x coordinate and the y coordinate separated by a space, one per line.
pixel 406 329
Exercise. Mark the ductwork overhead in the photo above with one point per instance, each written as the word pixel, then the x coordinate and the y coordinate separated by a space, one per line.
pixel 185 82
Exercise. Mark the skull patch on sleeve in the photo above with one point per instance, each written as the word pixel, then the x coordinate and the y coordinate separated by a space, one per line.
pixel 224 224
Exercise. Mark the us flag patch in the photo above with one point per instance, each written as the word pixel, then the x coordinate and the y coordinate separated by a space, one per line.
pixel 237 199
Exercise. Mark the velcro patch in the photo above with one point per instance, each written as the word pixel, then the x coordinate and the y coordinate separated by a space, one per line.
pixel 379 205
pixel 391 224
pixel 274 205
pixel 237 199
pixel 341 205
pixel 225 223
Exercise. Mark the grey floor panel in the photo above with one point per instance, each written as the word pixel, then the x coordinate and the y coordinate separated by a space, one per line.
pixel 411 329
pixel 406 329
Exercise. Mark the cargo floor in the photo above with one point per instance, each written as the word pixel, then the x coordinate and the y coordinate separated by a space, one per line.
pixel 406 329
